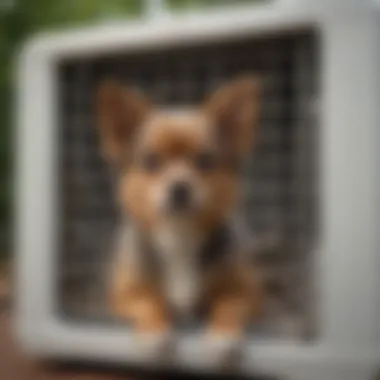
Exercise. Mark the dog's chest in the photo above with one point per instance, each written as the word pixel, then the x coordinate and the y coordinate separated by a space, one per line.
pixel 178 247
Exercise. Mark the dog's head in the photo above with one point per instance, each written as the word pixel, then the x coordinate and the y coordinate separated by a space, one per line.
pixel 178 163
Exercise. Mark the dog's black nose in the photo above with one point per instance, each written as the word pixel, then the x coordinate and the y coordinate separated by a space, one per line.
pixel 180 194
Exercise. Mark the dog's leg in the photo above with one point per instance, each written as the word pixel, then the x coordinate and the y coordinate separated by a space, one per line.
pixel 235 297
pixel 139 302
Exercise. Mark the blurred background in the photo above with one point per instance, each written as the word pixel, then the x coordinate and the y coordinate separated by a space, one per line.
pixel 20 20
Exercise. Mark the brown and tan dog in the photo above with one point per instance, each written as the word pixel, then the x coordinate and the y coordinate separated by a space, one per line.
pixel 179 185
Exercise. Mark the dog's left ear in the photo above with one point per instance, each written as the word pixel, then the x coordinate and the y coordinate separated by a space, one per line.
pixel 120 111
pixel 234 108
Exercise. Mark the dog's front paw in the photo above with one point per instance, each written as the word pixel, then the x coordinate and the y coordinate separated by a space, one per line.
pixel 158 347
pixel 223 350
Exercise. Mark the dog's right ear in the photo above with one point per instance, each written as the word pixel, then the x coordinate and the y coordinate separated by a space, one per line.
pixel 120 111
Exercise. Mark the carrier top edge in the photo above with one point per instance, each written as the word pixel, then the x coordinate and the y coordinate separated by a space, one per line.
pixel 189 28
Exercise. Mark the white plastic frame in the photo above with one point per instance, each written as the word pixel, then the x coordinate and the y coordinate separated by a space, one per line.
pixel 347 269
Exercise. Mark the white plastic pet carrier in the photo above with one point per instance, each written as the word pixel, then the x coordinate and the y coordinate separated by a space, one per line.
pixel 313 177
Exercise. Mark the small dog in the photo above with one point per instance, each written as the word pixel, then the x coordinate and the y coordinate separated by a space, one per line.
pixel 179 184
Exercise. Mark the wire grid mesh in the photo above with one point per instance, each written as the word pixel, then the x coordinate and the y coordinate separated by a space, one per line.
pixel 280 177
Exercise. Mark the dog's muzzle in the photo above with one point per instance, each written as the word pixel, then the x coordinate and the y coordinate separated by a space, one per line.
pixel 180 196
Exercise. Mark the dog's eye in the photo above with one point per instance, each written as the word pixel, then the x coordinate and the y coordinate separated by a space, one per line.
pixel 151 162
pixel 205 161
